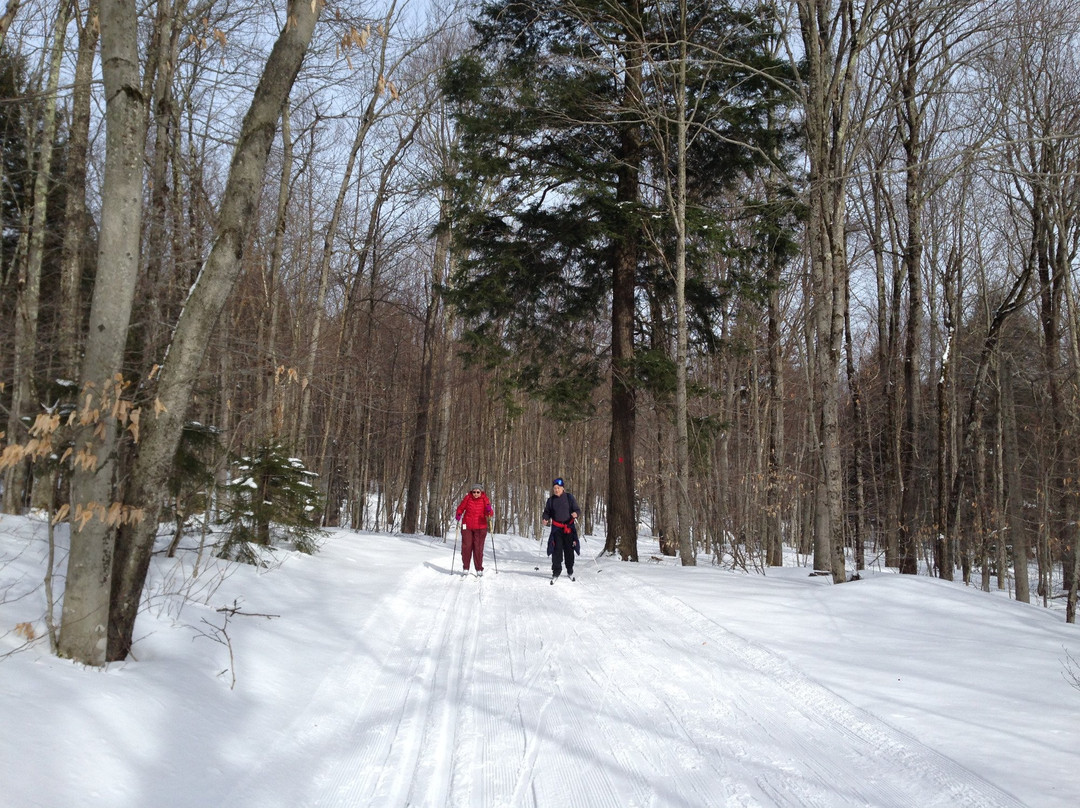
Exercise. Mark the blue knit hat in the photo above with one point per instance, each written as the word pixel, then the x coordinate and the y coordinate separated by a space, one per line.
pixel 559 481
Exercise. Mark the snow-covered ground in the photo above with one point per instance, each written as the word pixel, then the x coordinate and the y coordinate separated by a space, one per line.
pixel 369 675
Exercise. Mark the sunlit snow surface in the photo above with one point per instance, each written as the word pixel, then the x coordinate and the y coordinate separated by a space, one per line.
pixel 369 675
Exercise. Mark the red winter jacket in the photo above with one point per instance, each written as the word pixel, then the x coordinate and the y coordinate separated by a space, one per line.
pixel 476 510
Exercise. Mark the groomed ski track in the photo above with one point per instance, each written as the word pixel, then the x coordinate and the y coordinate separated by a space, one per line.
pixel 505 691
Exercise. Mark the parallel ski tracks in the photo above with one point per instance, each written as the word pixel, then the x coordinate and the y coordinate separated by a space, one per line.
pixel 504 691
pixel 409 753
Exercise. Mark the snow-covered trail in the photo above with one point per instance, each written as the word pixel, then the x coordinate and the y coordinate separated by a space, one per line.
pixel 506 691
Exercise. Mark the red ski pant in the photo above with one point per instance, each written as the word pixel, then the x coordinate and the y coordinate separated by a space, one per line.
pixel 472 547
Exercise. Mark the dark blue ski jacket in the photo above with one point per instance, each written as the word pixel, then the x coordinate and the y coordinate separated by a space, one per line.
pixel 559 509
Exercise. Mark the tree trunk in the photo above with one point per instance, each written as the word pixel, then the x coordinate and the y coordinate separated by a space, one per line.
pixel 945 386
pixel 774 548
pixel 1010 456
pixel 440 440
pixel 75 215
pixel 272 421
pixel 8 17
pixel 160 289
pixel 28 299
pixel 859 450
pixel 367 120
pixel 85 617
pixel 622 505
pixel 833 39
pixel 1013 301
pixel 421 437
pixel 682 416
pixel 1055 262
pixel 199 316
pixel 913 249
pixel 1073 311
pixel 985 525
pixel 888 327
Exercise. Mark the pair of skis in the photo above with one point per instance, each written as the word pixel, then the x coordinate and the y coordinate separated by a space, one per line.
pixel 553 577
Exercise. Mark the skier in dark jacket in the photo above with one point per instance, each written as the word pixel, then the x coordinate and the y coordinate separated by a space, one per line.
pixel 561 512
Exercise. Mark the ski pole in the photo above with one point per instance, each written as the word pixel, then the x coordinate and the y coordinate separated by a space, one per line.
pixel 594 561
pixel 539 543
pixel 493 558
pixel 455 552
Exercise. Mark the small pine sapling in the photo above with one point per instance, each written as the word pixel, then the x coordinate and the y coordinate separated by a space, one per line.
pixel 271 497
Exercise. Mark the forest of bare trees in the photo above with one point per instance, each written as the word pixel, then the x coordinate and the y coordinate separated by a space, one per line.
pixel 229 226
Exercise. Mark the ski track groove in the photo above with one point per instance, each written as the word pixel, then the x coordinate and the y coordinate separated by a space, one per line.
pixel 510 777
pixel 322 721
pixel 422 714
pixel 442 707
pixel 534 700
pixel 400 708
pixel 394 698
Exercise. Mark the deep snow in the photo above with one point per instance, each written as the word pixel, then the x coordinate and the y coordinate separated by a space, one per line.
pixel 369 675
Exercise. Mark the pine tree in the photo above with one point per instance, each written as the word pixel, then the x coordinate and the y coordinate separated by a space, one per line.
pixel 270 496
pixel 562 111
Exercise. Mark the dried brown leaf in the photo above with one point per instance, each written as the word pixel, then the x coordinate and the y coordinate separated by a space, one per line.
pixel 12 454
pixel 114 515
pixel 61 514
pixel 45 424
pixel 83 515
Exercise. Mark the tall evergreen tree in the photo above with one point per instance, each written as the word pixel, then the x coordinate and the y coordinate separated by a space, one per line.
pixel 562 109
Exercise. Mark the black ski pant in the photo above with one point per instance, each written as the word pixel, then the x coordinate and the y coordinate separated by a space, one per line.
pixel 564 548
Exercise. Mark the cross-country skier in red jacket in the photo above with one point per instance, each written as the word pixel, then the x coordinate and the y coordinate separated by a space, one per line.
pixel 473 513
